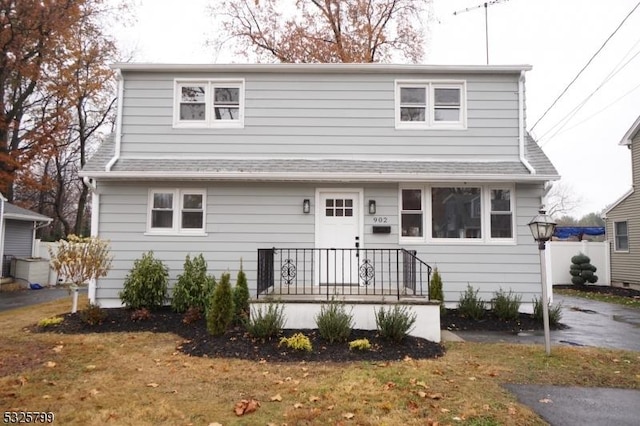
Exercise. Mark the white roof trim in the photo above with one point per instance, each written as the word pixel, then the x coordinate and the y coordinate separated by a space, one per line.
pixel 327 68
pixel 23 217
pixel 325 177
pixel 617 202
pixel 631 133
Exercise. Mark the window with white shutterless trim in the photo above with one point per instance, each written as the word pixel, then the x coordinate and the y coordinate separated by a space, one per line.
pixel 179 211
pixel 621 236
pixel 430 104
pixel 209 103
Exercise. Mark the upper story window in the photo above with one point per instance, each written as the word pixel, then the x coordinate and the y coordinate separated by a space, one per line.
pixel 177 211
pixel 209 103
pixel 621 234
pixel 430 104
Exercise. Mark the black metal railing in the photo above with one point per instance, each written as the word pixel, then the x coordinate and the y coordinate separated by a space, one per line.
pixel 341 271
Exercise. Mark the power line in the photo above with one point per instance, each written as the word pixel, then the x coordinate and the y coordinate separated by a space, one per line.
pixel 586 65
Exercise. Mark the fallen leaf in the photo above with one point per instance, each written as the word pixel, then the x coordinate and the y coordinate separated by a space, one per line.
pixel 215 424
pixel 389 385
pixel 412 406
pixel 486 407
pixel 472 378
pixel 457 419
pixel 314 398
pixel 152 385
pixel 422 394
pixel 423 384
pixel 331 407
pixel 546 401
pixel 277 397
pixel 512 411
pixel 444 410
pixel 90 367
pixel 46 396
pixel 50 364
pixel 348 416
pixel 435 396
pixel 94 392
pixel 246 406
pixel 298 405
pixel 58 349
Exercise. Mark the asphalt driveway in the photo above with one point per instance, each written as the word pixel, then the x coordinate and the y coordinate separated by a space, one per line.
pixel 27 297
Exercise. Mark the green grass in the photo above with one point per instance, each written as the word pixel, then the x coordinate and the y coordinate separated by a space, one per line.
pixel 608 298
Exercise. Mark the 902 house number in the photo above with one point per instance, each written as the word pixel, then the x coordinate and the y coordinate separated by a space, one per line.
pixel 380 219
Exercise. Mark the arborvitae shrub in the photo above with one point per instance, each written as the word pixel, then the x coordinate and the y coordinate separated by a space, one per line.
pixel 221 310
pixel 241 297
pixel 582 271
pixel 193 285
pixel 435 288
pixel 146 284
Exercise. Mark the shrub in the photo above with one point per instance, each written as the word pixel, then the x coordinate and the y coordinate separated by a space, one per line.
pixel 395 323
pixel 80 259
pixel 582 271
pixel 142 314
pixel 193 286
pixel 470 305
pixel 93 315
pixel 435 288
pixel 555 312
pixel 192 315
pixel 298 341
pixel 506 306
pixel 220 311
pixel 241 297
pixel 334 322
pixel 50 322
pixel 267 323
pixel 146 284
pixel 360 345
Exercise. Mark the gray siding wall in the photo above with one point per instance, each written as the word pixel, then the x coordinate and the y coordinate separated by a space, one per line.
pixel 327 116
pixel 18 240
pixel 625 266
pixel 242 217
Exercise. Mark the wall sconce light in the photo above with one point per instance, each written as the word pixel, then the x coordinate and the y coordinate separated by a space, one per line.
pixel 372 206
pixel 306 206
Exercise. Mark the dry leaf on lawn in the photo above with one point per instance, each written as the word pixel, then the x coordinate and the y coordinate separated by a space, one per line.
pixel 348 416
pixel 298 405
pixel 246 406
pixel 277 397
pixel 314 398
pixel 152 385
pixel 50 364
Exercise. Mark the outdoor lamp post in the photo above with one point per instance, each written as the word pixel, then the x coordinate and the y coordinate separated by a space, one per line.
pixel 542 228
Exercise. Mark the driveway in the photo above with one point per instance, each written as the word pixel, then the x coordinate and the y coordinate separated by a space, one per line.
pixel 19 298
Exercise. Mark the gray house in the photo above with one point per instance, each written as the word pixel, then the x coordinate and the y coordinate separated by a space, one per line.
pixel 18 231
pixel 623 221
pixel 318 176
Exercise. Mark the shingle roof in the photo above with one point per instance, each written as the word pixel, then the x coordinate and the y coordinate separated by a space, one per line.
pixel 11 211
pixel 369 169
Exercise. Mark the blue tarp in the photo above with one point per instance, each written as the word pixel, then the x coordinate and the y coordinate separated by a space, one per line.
pixel 577 231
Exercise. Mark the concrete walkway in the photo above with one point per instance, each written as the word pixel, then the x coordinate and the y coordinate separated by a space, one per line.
pixel 591 323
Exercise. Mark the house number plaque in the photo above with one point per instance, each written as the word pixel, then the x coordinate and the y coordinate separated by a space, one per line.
pixel 380 219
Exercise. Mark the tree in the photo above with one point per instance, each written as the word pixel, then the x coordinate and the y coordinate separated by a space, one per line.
pixel 591 219
pixel 325 31
pixel 561 200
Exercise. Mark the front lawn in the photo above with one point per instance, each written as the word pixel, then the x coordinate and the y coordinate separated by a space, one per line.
pixel 143 378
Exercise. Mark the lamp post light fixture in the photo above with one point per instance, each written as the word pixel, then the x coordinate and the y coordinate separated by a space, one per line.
pixel 306 206
pixel 542 228
pixel 372 206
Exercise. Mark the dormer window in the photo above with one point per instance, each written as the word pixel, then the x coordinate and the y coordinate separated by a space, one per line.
pixel 430 104
pixel 209 103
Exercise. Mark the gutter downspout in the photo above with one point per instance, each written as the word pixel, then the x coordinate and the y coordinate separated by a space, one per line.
pixel 116 154
pixel 521 124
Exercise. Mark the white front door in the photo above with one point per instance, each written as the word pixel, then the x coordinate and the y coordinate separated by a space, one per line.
pixel 338 228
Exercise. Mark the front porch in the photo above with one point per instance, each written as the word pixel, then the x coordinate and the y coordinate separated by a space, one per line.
pixel 363 279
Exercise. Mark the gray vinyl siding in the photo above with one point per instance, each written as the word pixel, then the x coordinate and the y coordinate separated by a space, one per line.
pixel 18 239
pixel 324 116
pixel 242 217
pixel 625 266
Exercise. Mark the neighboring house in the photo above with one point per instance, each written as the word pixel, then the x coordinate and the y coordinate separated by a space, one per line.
pixel 225 160
pixel 18 233
pixel 623 220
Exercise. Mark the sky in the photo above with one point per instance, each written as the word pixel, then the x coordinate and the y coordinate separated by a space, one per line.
pixel 580 134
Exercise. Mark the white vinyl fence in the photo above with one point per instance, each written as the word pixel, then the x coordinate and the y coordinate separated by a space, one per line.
pixel 559 254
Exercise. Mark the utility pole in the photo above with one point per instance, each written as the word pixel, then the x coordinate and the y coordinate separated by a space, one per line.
pixel 486 20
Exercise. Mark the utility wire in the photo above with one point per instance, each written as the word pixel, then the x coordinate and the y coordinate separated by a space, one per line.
pixel 586 65
pixel 567 118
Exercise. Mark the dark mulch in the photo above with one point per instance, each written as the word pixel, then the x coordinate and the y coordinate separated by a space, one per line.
pixel 237 343
pixel 602 289
pixel 453 321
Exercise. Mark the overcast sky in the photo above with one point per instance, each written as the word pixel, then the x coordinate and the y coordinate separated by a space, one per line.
pixel 556 37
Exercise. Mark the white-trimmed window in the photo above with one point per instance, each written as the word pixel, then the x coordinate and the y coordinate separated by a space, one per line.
pixel 209 103
pixel 430 104
pixel 177 211
pixel 411 213
pixel 621 235
pixel 457 213
pixel 501 222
